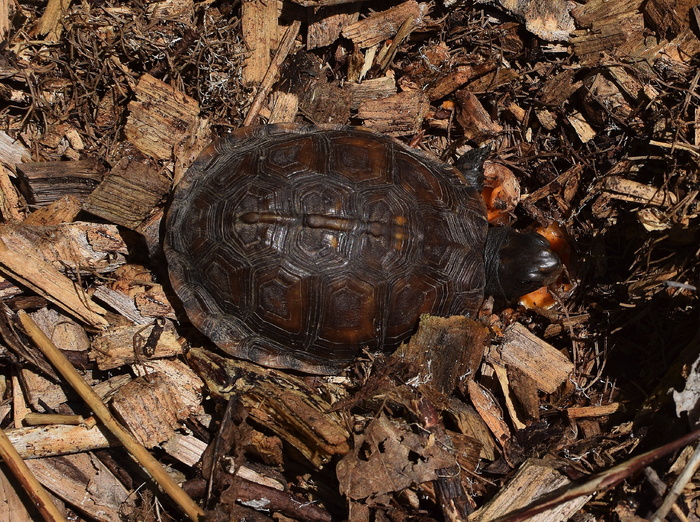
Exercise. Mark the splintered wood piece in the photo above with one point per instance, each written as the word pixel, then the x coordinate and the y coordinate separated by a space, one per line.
pixel 549 20
pixel 487 406
pixel 627 190
pixel 261 33
pixel 593 411
pixel 150 408
pixel 502 376
pixel 669 15
pixel 450 82
pixel 45 182
pixel 584 131
pixel 375 89
pixel 154 303
pixel 609 29
pixel 535 358
pixel 27 266
pixel 492 80
pixel 10 203
pixel 40 392
pixel 183 382
pixel 188 449
pixel 13 498
pixel 444 351
pixel 473 118
pixel 63 210
pixel 122 303
pixel 631 85
pixel 471 425
pixel 525 389
pixel 58 439
pixel 85 483
pixel 325 25
pixel 278 401
pixel 554 186
pixel 172 10
pixel 12 152
pixel 558 88
pixel 398 115
pixel 383 25
pixel 284 107
pixel 150 232
pixel 128 193
pixel 51 22
pixel 160 118
pixel 271 74
pixel 126 344
pixel 62 330
pixel 72 248
pixel 534 479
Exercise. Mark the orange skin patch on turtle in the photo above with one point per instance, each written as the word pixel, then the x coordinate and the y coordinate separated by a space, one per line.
pixel 501 193
pixel 542 297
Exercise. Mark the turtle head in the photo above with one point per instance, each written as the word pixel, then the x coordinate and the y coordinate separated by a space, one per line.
pixel 517 263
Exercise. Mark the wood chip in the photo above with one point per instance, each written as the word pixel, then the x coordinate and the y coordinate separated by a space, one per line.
pixel 278 401
pixel 10 203
pixel 58 439
pixel 326 24
pixel 584 131
pixel 125 344
pixel 489 410
pixel 151 408
pixel 593 411
pixel 75 249
pixel 383 25
pixel 160 118
pixel 27 266
pixel 129 192
pixel 534 479
pixel 12 152
pixel 444 351
pixel 398 115
pixel 63 210
pixel 535 358
pixel 369 90
pixel 85 482
pixel 474 119
pixel 628 190
pixel 261 33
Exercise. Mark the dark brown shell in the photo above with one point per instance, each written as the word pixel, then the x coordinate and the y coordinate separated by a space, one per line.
pixel 298 246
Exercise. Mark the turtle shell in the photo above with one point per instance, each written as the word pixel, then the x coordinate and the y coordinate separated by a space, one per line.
pixel 299 246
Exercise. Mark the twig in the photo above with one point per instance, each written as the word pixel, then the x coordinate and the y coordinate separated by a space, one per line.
pixel 30 484
pixel 69 373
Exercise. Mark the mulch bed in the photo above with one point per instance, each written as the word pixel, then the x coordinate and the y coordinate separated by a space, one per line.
pixel 592 112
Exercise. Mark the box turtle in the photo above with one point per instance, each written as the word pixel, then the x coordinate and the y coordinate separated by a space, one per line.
pixel 299 246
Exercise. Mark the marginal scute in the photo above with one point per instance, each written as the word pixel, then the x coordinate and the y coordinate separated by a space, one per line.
pixel 300 246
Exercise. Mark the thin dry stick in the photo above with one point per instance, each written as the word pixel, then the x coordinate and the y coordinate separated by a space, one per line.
pixel 69 373
pixel 28 481
pixel 271 75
